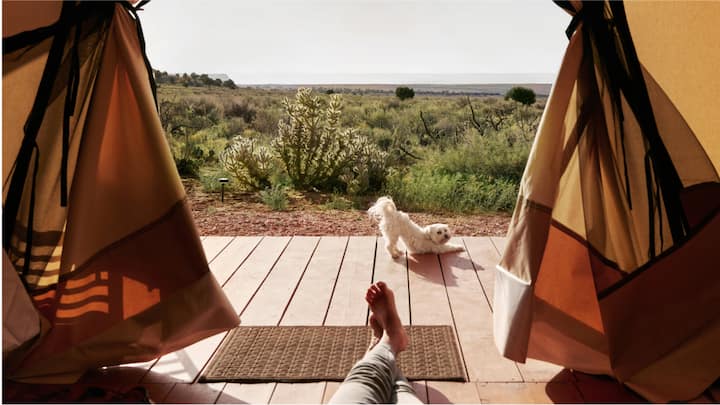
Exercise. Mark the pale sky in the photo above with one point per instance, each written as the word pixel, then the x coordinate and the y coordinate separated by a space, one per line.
pixel 346 41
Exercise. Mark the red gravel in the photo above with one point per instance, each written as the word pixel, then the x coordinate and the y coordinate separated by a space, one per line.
pixel 242 214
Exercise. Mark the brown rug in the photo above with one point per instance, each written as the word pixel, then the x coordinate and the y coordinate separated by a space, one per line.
pixel 326 353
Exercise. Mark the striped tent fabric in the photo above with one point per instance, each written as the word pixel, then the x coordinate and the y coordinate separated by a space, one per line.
pixel 96 224
pixel 612 264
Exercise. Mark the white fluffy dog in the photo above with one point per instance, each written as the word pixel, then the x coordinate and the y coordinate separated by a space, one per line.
pixel 396 224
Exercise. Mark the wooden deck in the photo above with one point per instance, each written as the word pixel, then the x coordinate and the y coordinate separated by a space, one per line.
pixel 321 281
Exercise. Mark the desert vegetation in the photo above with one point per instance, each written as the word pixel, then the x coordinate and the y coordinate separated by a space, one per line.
pixel 431 153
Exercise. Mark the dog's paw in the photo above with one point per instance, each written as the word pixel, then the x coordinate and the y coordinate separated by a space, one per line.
pixel 450 248
pixel 456 248
pixel 396 254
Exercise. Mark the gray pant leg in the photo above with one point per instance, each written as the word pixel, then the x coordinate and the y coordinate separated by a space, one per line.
pixel 404 391
pixel 371 380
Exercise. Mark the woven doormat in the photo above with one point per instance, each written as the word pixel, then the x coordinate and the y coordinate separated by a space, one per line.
pixel 326 353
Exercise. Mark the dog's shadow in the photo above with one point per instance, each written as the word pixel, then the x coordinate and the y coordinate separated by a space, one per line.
pixel 446 268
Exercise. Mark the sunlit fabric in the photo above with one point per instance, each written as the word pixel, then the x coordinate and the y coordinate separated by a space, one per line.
pixel 611 265
pixel 95 219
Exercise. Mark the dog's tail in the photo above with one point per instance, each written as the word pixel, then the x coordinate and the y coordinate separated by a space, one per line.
pixel 382 207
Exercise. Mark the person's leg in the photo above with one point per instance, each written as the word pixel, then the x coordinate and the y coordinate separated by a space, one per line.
pixel 373 379
pixel 404 391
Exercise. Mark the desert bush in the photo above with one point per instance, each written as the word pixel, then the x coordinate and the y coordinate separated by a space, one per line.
pixel 315 150
pixel 404 93
pixel 249 162
pixel 240 109
pixel 209 179
pixel 275 197
pixel 500 155
pixel 266 121
pixel 521 95
pixel 338 202
pixel 188 167
pixel 421 189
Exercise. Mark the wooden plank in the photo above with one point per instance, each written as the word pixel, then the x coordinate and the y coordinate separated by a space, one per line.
pixel 230 258
pixel 500 243
pixel 194 393
pixel 309 307
pixel 428 300
pixel 271 299
pixel 306 393
pixel 540 371
pixel 248 278
pixel 234 393
pixel 331 388
pixel 348 306
pixel 420 388
pixel 445 392
pixel 604 389
pixel 394 273
pixel 474 320
pixel 185 364
pixel 529 393
pixel 212 245
pixel 310 303
pixel 484 257
pixel 158 392
pixel 484 253
pixel 131 373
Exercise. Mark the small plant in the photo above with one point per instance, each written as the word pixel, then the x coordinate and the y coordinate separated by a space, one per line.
pixel 275 197
pixel 250 163
pixel 338 202
pixel 188 167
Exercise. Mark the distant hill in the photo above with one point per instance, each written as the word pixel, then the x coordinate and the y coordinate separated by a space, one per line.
pixel 193 79
pixel 493 89
pixel 471 89
pixel 221 76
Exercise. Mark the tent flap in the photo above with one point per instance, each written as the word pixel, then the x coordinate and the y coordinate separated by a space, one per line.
pixel 624 280
pixel 99 228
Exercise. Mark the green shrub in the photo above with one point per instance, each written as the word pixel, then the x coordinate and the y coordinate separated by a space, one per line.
pixel 316 152
pixel 338 202
pixel 420 189
pixel 500 155
pixel 209 180
pixel 275 197
pixel 521 95
pixel 187 167
pixel 404 93
pixel 250 163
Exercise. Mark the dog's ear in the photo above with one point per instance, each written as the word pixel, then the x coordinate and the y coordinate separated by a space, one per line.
pixel 427 232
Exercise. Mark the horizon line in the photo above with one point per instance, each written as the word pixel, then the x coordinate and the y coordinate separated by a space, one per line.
pixel 315 79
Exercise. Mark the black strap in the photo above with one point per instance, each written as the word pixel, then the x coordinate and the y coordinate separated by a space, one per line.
pixel 638 98
pixel 576 19
pixel 72 14
pixel 31 217
pixel 32 127
pixel 70 101
pixel 607 35
pixel 141 39
pixel 28 38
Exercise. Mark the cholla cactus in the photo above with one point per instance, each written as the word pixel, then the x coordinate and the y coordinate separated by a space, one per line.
pixel 313 148
pixel 249 163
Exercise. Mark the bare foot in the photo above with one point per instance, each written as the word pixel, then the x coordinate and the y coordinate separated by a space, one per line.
pixel 376 329
pixel 382 303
